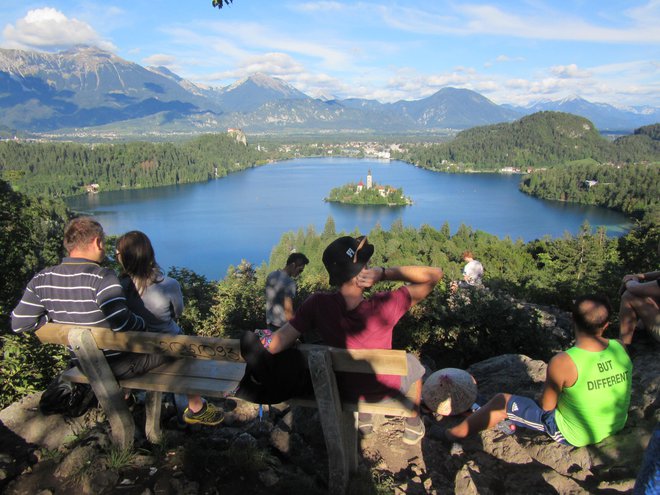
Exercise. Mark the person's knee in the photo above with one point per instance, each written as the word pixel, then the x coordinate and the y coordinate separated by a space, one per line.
pixel 500 401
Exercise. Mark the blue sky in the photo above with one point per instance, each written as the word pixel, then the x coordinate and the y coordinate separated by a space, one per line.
pixel 515 52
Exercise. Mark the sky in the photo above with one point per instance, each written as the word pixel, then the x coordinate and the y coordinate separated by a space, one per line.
pixel 516 52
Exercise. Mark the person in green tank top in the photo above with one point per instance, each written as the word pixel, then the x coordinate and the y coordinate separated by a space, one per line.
pixel 587 389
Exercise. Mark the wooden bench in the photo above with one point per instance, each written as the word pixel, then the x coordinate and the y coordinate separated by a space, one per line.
pixel 212 367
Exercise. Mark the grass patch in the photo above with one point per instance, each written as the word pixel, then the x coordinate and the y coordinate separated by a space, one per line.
pixel 118 458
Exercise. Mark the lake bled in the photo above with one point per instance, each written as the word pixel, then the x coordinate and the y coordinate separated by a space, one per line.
pixel 209 226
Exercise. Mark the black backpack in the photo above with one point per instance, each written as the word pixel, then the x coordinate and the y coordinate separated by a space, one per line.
pixel 272 378
pixel 66 398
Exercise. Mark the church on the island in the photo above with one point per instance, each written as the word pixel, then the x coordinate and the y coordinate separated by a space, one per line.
pixel 383 191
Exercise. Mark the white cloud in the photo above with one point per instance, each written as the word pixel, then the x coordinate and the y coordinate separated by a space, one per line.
pixel 640 26
pixel 160 59
pixel 570 71
pixel 254 36
pixel 317 6
pixel 272 64
pixel 507 58
pixel 48 28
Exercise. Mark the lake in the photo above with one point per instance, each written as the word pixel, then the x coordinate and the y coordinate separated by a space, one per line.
pixel 209 226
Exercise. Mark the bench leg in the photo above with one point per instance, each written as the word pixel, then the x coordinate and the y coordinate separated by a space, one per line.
pixel 349 424
pixel 153 408
pixel 338 426
pixel 105 386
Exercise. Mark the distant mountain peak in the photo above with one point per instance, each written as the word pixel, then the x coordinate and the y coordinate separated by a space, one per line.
pixel 164 71
pixel 263 81
pixel 571 99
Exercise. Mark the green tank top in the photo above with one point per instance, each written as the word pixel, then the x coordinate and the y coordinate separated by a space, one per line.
pixel 596 406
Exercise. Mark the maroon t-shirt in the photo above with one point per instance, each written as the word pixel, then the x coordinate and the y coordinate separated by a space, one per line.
pixel 368 326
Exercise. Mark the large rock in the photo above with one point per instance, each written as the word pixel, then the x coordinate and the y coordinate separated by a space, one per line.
pixel 510 373
pixel 610 465
pixel 24 419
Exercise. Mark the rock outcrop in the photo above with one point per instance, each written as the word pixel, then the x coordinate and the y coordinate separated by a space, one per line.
pixel 282 451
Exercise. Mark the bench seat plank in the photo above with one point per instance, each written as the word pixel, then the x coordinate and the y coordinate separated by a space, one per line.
pixel 216 378
pixel 209 378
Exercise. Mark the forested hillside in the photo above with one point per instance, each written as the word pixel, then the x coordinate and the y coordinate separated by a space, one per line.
pixel 544 139
pixel 65 169
pixel 633 189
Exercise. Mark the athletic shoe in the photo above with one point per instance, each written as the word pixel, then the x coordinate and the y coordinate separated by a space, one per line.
pixel 366 429
pixel 412 435
pixel 208 415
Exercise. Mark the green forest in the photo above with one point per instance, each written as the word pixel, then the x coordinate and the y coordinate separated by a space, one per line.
pixel 561 154
pixel 348 194
pixel 544 139
pixel 65 169
pixel 633 189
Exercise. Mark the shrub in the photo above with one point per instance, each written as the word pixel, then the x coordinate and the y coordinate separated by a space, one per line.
pixel 27 366
pixel 474 325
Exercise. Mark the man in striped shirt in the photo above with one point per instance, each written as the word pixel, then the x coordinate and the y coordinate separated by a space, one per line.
pixel 80 291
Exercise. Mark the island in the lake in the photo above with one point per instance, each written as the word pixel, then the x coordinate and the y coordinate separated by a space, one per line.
pixel 368 194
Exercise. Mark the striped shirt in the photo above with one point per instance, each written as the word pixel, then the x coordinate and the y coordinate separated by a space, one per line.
pixel 77 291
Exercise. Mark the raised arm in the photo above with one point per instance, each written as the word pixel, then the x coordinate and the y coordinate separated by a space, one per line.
pixel 421 279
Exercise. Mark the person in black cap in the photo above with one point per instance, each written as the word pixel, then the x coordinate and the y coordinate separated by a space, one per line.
pixel 346 319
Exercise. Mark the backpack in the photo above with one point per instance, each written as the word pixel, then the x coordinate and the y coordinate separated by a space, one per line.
pixel 272 378
pixel 66 398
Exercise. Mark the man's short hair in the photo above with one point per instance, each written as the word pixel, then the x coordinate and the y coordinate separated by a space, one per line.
pixel 591 312
pixel 298 258
pixel 467 254
pixel 81 231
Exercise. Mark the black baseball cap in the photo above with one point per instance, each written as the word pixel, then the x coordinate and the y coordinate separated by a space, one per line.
pixel 345 257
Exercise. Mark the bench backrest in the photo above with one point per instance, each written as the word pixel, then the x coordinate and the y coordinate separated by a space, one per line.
pixel 378 361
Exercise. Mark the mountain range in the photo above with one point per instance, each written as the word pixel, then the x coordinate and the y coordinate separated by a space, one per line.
pixel 91 89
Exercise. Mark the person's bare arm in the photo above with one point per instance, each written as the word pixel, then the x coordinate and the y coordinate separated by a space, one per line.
pixel 642 277
pixel 561 373
pixel 288 308
pixel 284 338
pixel 643 289
pixel 421 279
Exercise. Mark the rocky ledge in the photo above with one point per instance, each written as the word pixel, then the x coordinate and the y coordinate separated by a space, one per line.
pixel 283 451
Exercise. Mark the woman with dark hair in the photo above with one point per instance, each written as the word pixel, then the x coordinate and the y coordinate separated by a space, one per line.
pixel 158 299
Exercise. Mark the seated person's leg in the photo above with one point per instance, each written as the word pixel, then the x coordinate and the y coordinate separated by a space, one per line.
pixel 414 427
pixel 130 364
pixel 485 417
pixel 633 308
pixel 649 313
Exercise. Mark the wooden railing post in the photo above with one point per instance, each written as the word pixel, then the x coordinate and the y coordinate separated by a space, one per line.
pixel 105 386
pixel 338 426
